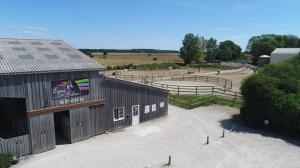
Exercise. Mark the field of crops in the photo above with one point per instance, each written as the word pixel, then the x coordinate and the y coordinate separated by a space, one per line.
pixel 114 59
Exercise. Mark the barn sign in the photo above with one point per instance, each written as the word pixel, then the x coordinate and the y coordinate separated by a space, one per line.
pixel 70 88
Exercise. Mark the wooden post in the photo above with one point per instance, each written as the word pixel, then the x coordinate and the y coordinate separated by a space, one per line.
pixel 223 135
pixel 170 161
pixel 178 90
pixel 196 90
pixel 207 140
pixel 212 91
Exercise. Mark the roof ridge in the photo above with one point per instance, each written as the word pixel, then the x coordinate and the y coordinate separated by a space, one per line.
pixel 12 38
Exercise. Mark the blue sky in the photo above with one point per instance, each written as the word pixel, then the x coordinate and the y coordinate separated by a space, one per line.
pixel 160 24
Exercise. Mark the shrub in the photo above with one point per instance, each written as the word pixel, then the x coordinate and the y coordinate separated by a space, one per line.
pixel 273 94
pixel 5 161
pixel 154 59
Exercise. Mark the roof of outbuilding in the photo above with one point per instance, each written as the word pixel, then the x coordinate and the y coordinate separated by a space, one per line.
pixel 19 56
pixel 286 51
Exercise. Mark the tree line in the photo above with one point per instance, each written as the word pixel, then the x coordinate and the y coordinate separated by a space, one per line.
pixel 89 51
pixel 197 49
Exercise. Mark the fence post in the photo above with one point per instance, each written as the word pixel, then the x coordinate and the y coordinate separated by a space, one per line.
pixel 213 90
pixel 196 90
pixel 178 89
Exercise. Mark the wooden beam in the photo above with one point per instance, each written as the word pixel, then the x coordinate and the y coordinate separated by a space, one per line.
pixel 65 107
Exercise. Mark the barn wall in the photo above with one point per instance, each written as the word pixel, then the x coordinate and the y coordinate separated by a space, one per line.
pixel 36 88
pixel 42 133
pixel 85 122
pixel 126 94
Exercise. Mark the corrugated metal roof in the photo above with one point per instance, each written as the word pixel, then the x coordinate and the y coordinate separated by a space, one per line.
pixel 286 51
pixel 18 56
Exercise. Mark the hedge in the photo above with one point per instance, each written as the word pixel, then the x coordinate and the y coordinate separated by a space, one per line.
pixel 5 161
pixel 273 94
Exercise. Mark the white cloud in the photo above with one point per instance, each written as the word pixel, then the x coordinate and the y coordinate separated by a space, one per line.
pixel 34 30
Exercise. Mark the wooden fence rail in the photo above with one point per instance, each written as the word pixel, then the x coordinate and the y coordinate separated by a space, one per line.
pixel 150 78
pixel 17 146
pixel 200 90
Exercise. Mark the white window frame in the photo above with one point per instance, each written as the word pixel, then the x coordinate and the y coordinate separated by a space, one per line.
pixel 135 106
pixel 153 109
pixel 162 104
pixel 147 107
pixel 118 108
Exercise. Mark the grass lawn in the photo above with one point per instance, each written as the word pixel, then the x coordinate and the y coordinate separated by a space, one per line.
pixel 194 101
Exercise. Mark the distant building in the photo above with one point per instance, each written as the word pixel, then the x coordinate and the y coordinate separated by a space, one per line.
pixel 264 59
pixel 282 54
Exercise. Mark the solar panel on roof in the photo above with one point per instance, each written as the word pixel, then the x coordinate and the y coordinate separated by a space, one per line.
pixel 26 57
pixel 36 43
pixel 51 56
pixel 43 49
pixel 74 56
pixel 65 49
pixel 19 49
pixel 14 42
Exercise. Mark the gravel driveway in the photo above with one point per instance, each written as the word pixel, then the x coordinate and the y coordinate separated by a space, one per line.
pixel 182 135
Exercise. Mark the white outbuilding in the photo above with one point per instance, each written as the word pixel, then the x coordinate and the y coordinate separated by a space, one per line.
pixel 282 54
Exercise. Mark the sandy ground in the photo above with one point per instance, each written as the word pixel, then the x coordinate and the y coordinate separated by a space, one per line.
pixel 236 76
pixel 182 135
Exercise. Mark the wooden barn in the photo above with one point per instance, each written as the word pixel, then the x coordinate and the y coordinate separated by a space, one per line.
pixel 51 94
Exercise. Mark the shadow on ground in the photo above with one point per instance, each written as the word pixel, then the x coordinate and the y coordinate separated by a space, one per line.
pixel 236 126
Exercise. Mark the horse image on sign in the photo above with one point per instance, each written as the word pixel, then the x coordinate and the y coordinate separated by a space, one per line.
pixel 70 88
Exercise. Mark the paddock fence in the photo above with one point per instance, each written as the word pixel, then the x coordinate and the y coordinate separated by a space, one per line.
pixel 225 83
pixel 17 146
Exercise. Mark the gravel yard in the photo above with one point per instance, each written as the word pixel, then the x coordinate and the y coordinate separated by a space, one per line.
pixel 182 135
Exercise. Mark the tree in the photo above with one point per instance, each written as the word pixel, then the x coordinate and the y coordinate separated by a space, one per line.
pixel 273 94
pixel 228 50
pixel 267 43
pixel 193 48
pixel 211 50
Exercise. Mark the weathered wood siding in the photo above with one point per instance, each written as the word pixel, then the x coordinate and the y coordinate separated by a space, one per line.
pixel 42 133
pixel 85 122
pixel 15 146
pixel 36 88
pixel 127 94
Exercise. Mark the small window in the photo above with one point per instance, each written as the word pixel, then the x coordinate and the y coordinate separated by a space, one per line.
pixel 36 43
pixel 14 42
pixel 52 56
pixel 43 49
pixel 65 49
pixel 162 104
pixel 147 109
pixel 153 107
pixel 74 56
pixel 19 49
pixel 26 57
pixel 119 113
pixel 135 110
pixel 55 43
